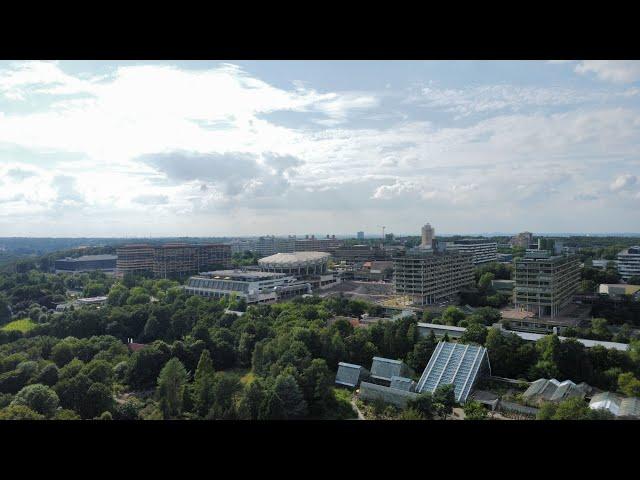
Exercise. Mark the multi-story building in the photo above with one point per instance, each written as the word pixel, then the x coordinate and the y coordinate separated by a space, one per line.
pixel 481 250
pixel 241 245
pixel 428 234
pixel 86 263
pixel 360 235
pixel 523 240
pixel 266 246
pixel 359 253
pixel 252 286
pixel 313 244
pixel 428 276
pixel 545 284
pixel 172 259
pixel 629 263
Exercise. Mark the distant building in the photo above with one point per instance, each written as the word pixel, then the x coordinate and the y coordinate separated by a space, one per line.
pixel 172 259
pixel 481 250
pixel 602 264
pixel 360 236
pixel 266 246
pixel 504 257
pixel 616 290
pixel 427 276
pixel 241 245
pixel 374 271
pixel 629 263
pixel 313 244
pixel 86 263
pixel 503 286
pixel 359 253
pixel 253 286
pixel 428 235
pixel 545 284
pixel 523 240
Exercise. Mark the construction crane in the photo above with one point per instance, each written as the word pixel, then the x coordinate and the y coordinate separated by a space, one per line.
pixel 383 227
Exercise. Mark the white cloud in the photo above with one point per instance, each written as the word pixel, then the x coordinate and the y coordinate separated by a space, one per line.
pixel 624 182
pixel 616 71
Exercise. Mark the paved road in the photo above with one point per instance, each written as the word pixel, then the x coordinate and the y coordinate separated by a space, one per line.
pixel 355 407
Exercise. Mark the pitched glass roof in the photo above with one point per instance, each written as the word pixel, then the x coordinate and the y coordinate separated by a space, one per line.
pixel 454 363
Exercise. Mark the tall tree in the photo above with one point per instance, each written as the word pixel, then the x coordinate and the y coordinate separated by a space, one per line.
pixel 204 380
pixel 171 384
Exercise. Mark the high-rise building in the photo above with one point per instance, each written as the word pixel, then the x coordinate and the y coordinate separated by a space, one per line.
pixel 481 250
pixel 428 276
pixel 545 284
pixel 172 259
pixel 271 245
pixel 629 263
pixel 86 263
pixel 523 240
pixel 360 235
pixel 428 234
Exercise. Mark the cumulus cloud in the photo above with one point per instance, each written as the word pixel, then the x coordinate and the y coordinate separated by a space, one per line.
pixel 616 71
pixel 624 182
pixel 151 199
pixel 19 174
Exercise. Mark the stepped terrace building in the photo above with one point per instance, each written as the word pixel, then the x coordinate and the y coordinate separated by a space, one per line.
pixel 427 276
pixel 86 263
pixel 545 284
pixel 481 250
pixel 172 259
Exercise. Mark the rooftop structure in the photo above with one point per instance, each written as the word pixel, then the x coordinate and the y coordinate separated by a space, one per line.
pixel 545 284
pixel 86 263
pixel 349 374
pixel 395 396
pixel 298 263
pixel 554 391
pixel 617 289
pixel 386 368
pixel 425 329
pixel 629 263
pixel 457 364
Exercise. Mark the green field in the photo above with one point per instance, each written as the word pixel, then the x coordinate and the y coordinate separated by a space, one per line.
pixel 23 325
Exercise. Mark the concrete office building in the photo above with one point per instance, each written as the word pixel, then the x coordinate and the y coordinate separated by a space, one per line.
pixel 266 246
pixel 172 259
pixel 524 240
pixel 241 245
pixel 253 286
pixel 629 263
pixel 428 234
pixel 86 263
pixel 545 284
pixel 271 245
pixel 360 235
pixel 313 244
pixel 481 250
pixel 428 276
pixel 359 253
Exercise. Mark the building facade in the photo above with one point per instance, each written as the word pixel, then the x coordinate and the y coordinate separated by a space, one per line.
pixel 428 234
pixel 545 284
pixel 481 250
pixel 86 263
pixel 427 276
pixel 629 263
pixel 360 236
pixel 252 286
pixel 172 259
pixel 523 239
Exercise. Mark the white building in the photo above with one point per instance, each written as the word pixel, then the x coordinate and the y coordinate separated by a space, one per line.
pixel 482 251
pixel 428 234
pixel 629 262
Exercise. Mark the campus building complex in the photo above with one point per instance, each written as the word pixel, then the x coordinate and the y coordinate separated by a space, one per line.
pixel 86 263
pixel 252 286
pixel 629 263
pixel 428 276
pixel 481 250
pixel 545 284
pixel 172 259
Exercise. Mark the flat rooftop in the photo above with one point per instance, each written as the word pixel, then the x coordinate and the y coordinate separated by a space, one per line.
pixel 241 274
pixel 88 258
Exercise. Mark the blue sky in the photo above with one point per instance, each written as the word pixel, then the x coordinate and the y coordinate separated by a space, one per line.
pixel 293 147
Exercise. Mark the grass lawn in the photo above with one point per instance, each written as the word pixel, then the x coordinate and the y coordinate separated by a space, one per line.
pixel 23 325
pixel 342 409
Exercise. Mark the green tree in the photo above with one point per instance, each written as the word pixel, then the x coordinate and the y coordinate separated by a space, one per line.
pixel 444 399
pixel 204 381
pixel 474 410
pixel 64 414
pixel 171 383
pixel 97 400
pixel 629 385
pixel 286 401
pixel 423 404
pixel 452 316
pixel 39 398
pixel 485 281
pixel 19 412
pixel 252 401
pixel 475 333
pixel 634 280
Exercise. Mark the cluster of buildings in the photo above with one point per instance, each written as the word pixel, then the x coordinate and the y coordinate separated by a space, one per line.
pixel 390 380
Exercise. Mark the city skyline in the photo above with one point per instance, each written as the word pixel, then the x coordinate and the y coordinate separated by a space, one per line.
pixel 248 148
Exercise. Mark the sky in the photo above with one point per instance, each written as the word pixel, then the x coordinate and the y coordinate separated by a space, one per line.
pixel 232 148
